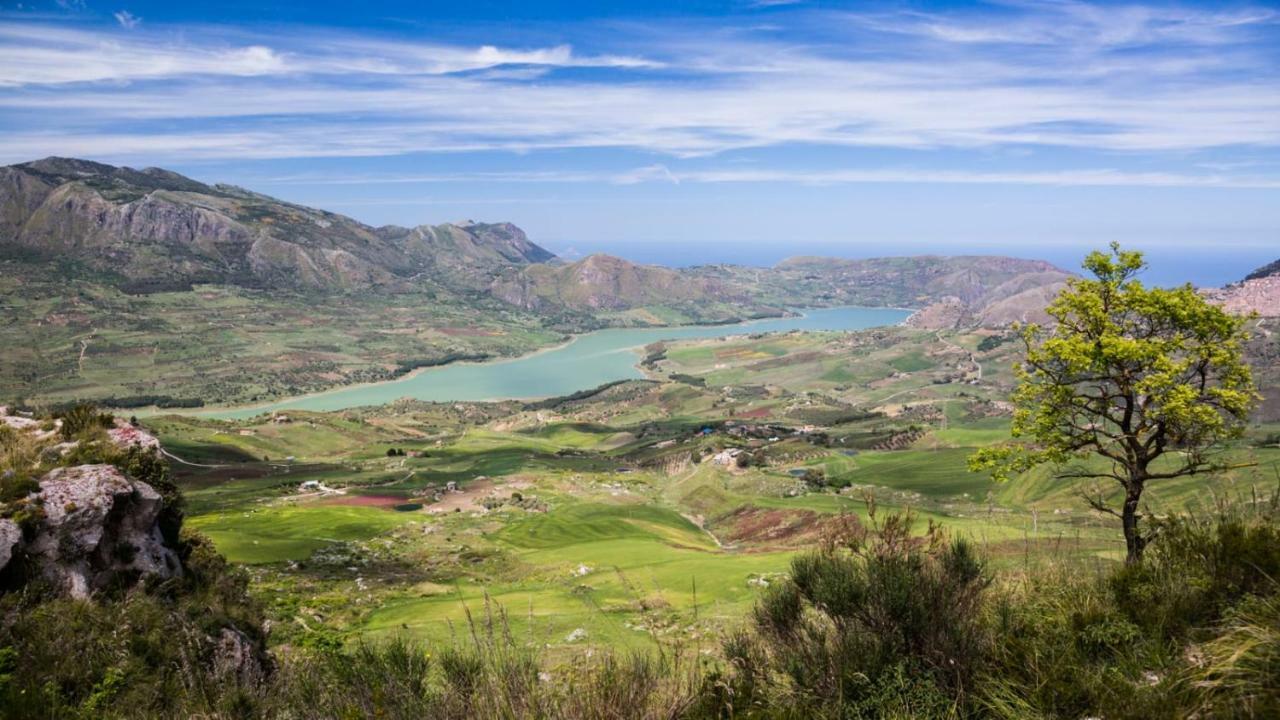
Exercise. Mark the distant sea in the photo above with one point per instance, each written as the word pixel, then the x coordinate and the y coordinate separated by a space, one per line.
pixel 1203 266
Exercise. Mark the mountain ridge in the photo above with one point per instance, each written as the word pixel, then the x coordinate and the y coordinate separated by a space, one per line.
pixel 1258 292
pixel 154 229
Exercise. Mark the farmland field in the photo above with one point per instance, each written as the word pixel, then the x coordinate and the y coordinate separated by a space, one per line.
pixel 653 511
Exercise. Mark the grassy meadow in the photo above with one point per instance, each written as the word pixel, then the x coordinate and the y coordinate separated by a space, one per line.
pixel 614 519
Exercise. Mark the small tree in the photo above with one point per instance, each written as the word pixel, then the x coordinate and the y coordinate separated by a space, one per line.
pixel 1149 380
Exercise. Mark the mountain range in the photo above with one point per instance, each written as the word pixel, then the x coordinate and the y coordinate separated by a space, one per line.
pixel 145 286
pixel 153 230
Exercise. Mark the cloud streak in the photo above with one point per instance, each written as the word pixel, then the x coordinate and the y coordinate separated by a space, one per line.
pixel 660 173
pixel 1065 75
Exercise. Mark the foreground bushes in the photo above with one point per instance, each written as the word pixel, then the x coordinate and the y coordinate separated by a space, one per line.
pixel 876 623
pixel 1191 631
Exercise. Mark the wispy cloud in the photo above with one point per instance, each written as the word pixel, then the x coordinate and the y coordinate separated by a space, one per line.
pixel 127 19
pixel 41 55
pixel 659 173
pixel 1069 75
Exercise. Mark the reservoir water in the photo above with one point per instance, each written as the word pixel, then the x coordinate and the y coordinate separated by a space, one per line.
pixel 585 362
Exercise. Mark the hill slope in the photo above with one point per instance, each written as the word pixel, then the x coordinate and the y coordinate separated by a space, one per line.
pixel 153 229
pixel 1258 293
pixel 101 266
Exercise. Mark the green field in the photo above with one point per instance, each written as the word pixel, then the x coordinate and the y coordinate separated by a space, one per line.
pixel 607 519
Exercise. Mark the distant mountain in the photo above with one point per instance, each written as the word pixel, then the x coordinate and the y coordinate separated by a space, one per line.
pixel 153 229
pixel 606 283
pixel 1259 292
pixel 1265 271
pixel 954 291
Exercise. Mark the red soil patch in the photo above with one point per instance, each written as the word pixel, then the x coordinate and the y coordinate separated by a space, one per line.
pixel 367 500
pixel 785 360
pixel 735 353
pixel 757 413
pixel 760 526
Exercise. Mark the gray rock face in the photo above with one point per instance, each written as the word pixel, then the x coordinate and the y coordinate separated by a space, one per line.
pixel 235 656
pixel 152 230
pixel 10 535
pixel 99 525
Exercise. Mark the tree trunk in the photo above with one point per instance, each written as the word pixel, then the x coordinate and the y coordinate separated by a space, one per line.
pixel 1133 540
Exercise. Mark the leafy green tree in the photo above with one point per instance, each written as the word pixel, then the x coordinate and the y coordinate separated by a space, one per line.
pixel 1149 380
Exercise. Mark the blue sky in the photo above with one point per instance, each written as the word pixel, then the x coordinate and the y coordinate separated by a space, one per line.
pixel 694 131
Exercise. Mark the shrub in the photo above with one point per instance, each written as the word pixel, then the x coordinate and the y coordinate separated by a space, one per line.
pixel 82 418
pixel 1201 564
pixel 873 621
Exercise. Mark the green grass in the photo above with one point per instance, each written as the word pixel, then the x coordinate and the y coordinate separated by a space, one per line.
pixel 913 361
pixel 292 532
pixel 589 523
pixel 938 474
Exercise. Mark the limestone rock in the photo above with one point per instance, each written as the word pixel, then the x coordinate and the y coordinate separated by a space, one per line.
pixel 99 526
pixel 126 435
pixel 10 535
pixel 236 656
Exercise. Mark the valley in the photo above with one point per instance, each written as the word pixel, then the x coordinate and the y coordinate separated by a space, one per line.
pixel 648 513
pixel 314 448
pixel 142 287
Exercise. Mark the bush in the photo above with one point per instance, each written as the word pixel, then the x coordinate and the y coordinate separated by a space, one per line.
pixel 1193 630
pixel 875 621
pixel 1201 564
pixel 83 418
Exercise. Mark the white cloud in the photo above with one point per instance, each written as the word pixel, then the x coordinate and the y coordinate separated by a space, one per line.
pixel 41 55
pixel 1099 177
pixel 127 19
pixel 1201 80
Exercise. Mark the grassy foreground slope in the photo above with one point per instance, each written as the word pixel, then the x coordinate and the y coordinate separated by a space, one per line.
pixel 651 511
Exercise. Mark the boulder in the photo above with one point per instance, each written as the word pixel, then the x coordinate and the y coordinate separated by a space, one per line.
pixel 99 527
pixel 237 657
pixel 125 436
pixel 10 534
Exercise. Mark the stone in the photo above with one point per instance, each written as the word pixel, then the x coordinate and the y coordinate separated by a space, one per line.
pixel 125 435
pixel 99 525
pixel 236 656
pixel 10 535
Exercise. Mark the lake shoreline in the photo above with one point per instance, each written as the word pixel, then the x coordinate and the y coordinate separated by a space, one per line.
pixel 286 404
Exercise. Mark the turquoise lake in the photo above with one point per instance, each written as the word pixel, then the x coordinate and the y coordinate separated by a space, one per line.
pixel 585 362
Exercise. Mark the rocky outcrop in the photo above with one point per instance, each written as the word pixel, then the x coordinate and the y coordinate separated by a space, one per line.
pixel 10 535
pixel 96 528
pixel 125 435
pixel 236 656
pixel 152 229
pixel 943 315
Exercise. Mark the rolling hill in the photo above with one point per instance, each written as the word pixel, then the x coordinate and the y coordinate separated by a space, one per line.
pixel 212 292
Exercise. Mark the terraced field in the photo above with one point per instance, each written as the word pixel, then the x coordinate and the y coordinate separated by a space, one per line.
pixel 651 511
